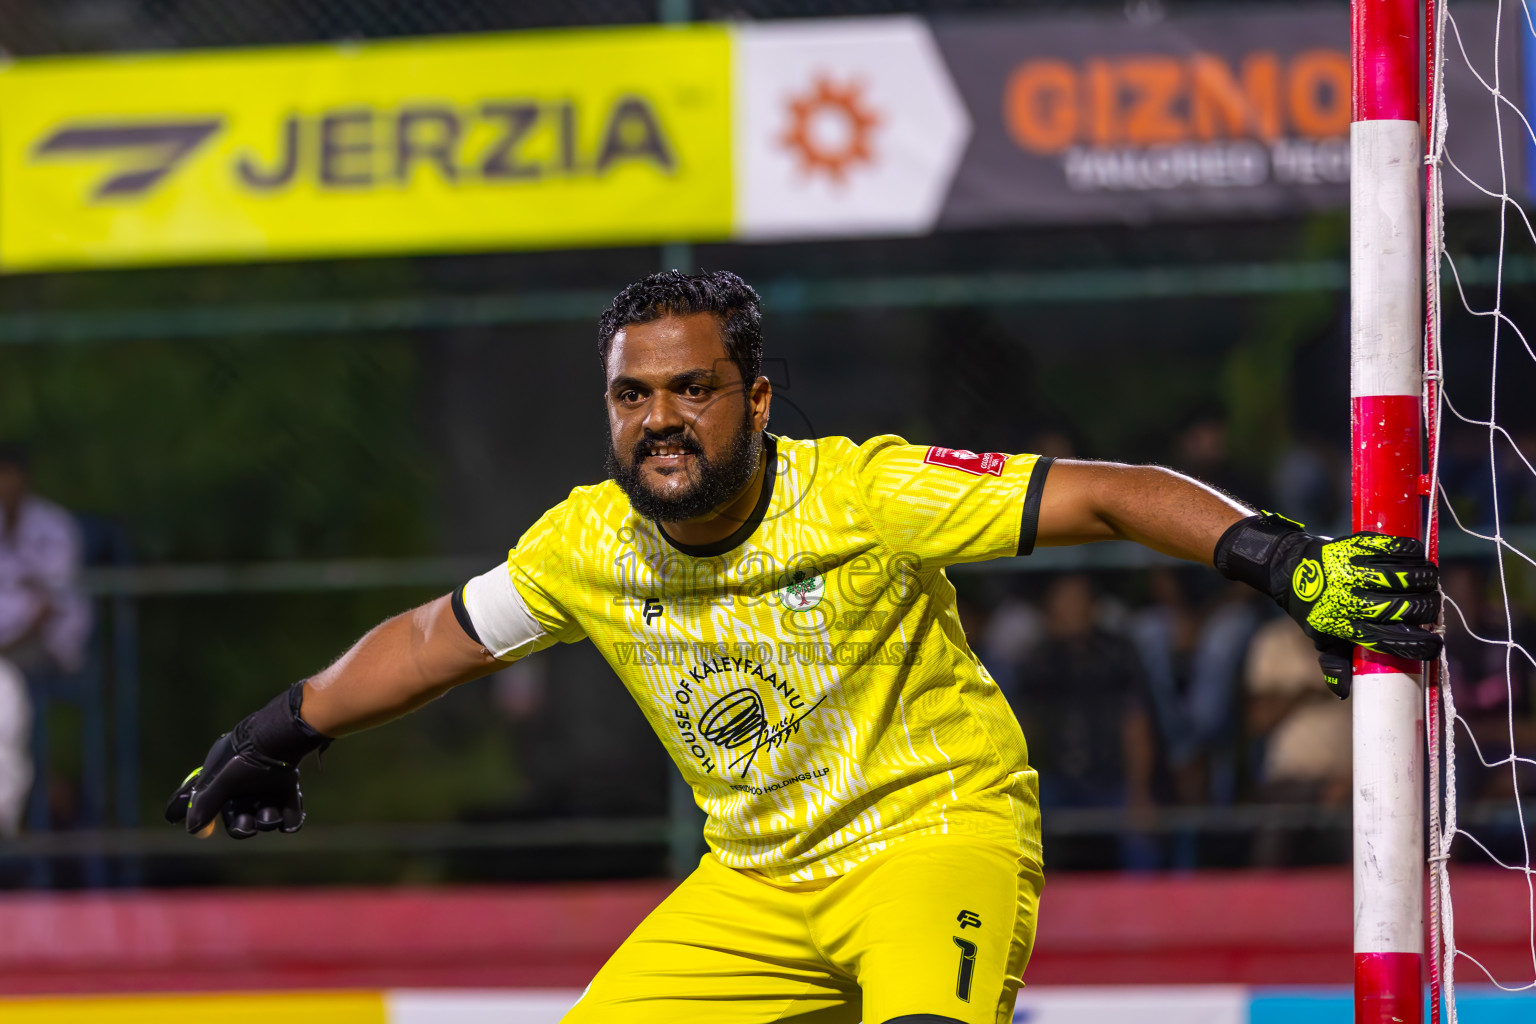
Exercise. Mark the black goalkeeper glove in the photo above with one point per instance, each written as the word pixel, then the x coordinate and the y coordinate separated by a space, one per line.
pixel 251 774
pixel 1369 589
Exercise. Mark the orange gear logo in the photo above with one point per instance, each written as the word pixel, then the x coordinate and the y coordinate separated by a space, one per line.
pixel 831 129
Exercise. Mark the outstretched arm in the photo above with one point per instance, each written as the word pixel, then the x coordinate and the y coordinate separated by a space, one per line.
pixel 250 776
pixel 396 667
pixel 1156 507
pixel 1367 589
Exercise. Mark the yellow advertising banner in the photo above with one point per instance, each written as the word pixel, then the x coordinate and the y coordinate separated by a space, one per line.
pixel 225 1008
pixel 521 140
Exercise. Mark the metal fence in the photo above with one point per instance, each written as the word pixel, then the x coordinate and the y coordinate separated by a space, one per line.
pixel 916 277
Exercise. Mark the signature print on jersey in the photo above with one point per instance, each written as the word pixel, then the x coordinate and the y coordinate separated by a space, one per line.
pixel 736 721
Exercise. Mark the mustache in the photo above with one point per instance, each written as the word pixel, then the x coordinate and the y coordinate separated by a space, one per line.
pixel 681 440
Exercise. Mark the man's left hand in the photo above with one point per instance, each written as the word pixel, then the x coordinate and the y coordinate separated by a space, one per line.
pixel 1367 589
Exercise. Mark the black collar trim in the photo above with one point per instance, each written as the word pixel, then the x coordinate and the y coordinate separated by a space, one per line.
pixel 752 522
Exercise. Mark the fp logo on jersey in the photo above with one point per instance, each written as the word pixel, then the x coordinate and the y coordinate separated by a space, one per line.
pixel 803 592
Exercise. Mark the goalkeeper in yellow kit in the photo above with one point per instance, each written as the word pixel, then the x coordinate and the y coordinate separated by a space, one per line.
pixel 779 610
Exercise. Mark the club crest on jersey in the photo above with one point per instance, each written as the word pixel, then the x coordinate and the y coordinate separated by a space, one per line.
pixel 803 592
pixel 967 461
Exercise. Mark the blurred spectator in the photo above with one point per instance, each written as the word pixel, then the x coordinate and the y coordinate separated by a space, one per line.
pixel 1193 650
pixel 15 759
pixel 1491 684
pixel 1476 480
pixel 1201 449
pixel 1080 695
pixel 1517 479
pixel 1306 486
pixel 1302 730
pixel 1014 629
pixel 1466 474
pixel 1054 441
pixel 1192 656
pixel 44 618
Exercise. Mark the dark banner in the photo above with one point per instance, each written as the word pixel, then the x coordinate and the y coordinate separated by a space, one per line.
pixel 1246 113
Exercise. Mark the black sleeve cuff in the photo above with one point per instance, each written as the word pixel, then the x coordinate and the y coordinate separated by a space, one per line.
pixel 462 614
pixel 1251 549
pixel 1029 525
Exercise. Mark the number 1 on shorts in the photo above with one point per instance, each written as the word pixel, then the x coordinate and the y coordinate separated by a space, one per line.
pixel 967 968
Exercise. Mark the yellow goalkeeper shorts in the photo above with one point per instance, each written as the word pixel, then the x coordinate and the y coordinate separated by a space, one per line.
pixel 936 928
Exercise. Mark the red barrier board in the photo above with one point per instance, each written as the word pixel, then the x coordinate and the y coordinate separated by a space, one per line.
pixel 1257 928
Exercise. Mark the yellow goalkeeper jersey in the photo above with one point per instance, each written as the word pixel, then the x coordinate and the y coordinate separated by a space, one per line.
pixel 809 673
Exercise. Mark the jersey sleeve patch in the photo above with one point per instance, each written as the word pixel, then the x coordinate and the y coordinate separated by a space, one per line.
pixel 500 617
pixel 983 464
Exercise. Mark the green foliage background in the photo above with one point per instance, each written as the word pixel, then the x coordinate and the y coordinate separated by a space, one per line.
pixel 245 450
pixel 250 449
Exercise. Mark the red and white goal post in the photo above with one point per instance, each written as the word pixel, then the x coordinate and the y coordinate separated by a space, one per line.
pixel 1386 386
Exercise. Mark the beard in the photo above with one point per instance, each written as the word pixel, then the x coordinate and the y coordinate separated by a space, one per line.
pixel 713 483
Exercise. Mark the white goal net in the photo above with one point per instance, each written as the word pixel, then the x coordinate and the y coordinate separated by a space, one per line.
pixel 1480 358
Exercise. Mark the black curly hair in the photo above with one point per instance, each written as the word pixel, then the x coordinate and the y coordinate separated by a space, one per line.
pixel 674 293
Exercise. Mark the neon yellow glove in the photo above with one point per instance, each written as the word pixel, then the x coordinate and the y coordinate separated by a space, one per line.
pixel 1369 589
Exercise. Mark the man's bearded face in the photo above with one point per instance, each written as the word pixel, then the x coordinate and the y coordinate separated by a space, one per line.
pixel 693 484
pixel 684 428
